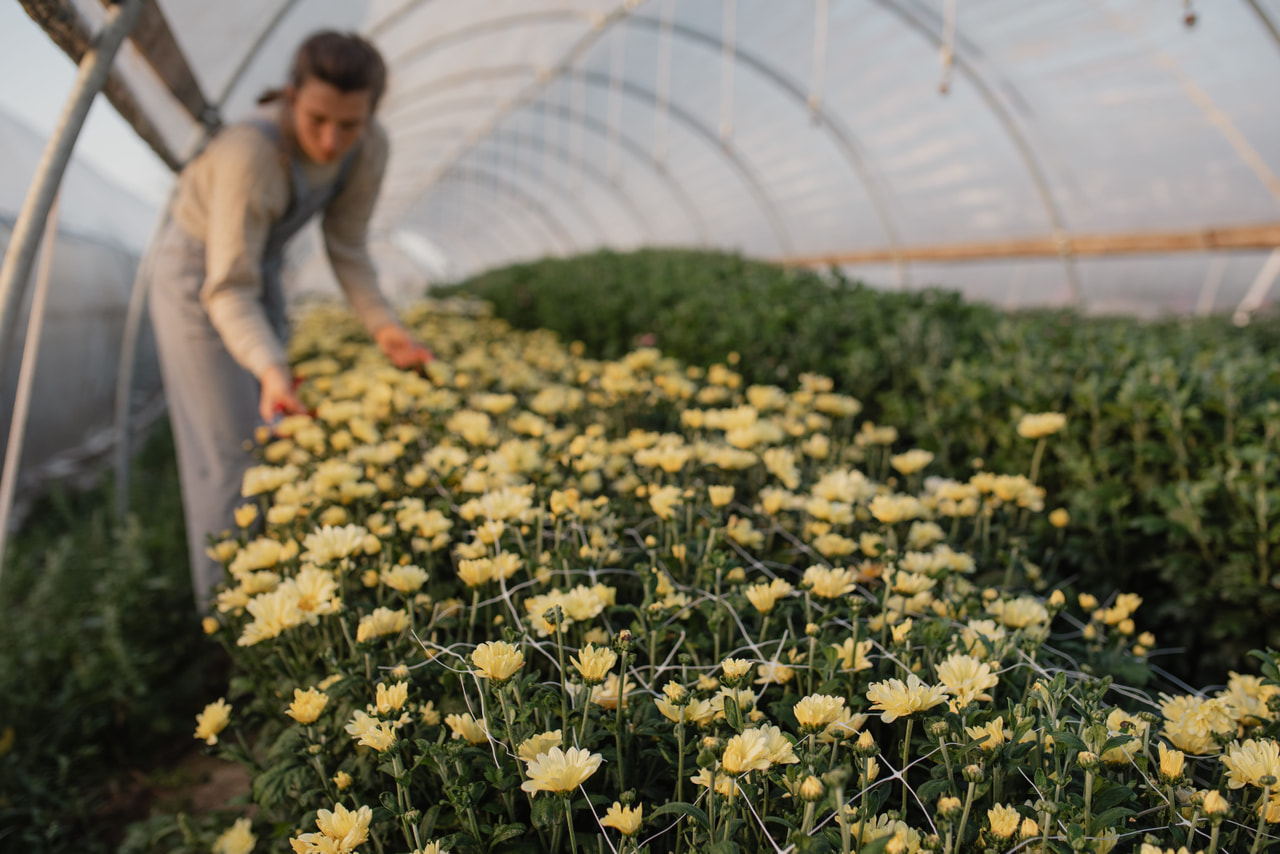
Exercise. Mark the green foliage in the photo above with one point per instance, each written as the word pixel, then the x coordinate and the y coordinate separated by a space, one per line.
pixel 100 654
pixel 1166 465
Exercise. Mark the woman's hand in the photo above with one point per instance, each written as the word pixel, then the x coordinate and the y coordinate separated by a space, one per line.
pixel 401 348
pixel 277 395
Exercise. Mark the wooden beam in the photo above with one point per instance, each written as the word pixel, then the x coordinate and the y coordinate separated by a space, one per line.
pixel 154 40
pixel 1263 236
pixel 69 31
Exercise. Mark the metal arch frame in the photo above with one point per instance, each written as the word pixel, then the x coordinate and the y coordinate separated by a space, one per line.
pixel 1025 150
pixel 564 68
pixel 376 29
pixel 643 225
pixel 595 175
pixel 481 28
pixel 525 233
pixel 553 225
pixel 408 99
pixel 1263 16
pixel 503 143
pixel 710 136
pixel 567 113
pixel 574 202
pixel 522 232
pixel 839 133
pixel 252 53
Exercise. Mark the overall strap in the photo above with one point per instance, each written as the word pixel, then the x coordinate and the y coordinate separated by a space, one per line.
pixel 305 202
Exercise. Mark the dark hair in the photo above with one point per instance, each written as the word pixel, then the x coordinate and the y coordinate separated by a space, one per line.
pixel 345 61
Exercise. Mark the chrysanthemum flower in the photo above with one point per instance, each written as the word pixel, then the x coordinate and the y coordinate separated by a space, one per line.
pixel 497 660
pixel 349 828
pixel 853 656
pixel 993 733
pixel 383 621
pixel 891 509
pixel 371 732
pixel 608 695
pixel 966 679
pixel 388 700
pixel 237 839
pixel 1004 821
pixel 746 751
pixel 1120 722
pixel 896 699
pixel 626 820
pixel 404 579
pixel 307 705
pixel 594 663
pixel 828 583
pixel 772 672
pixel 765 596
pixel 817 710
pixel 911 462
pixel 664 499
pixel 1038 424
pixel 534 746
pixel 331 543
pixel 560 771
pixel 466 727
pixel 213 720
pixel 1249 762
pixel 735 668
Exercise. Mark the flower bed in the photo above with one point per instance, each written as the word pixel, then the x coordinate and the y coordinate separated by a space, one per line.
pixel 536 602
pixel 1165 465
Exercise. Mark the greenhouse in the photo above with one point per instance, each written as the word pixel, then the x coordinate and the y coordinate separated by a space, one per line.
pixel 640 426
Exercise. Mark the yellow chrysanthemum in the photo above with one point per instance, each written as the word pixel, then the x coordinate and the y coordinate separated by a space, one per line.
pixel 817 710
pixel 237 839
pixel 468 728
pixel 1036 425
pixel 307 705
pixel 560 771
pixel 626 820
pixel 1249 762
pixel 895 699
pixel 966 679
pixel 213 720
pixel 498 660
pixel 534 746
pixel 594 663
pixel 1004 821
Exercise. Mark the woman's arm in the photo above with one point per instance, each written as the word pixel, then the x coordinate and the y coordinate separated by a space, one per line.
pixel 346 231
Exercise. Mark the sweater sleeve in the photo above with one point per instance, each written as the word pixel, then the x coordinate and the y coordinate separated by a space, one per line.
pixel 247 192
pixel 346 232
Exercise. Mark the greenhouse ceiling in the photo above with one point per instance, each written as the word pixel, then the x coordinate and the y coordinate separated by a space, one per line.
pixel 1113 154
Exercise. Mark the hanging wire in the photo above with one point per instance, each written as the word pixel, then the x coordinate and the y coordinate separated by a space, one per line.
pixel 726 70
pixel 947 51
pixel 663 87
pixel 819 60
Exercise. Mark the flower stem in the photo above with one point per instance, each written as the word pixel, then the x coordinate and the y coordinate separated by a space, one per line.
pixel 568 817
pixel 617 733
pixel 1262 819
pixel 906 754
pixel 964 816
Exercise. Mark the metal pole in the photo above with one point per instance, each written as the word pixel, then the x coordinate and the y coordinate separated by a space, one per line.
pixel 128 356
pixel 94 67
pixel 26 379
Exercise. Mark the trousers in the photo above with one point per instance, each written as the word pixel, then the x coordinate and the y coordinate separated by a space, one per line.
pixel 213 403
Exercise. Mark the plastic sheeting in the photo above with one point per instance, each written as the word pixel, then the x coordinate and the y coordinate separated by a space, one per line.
pixel 102 231
pixel 803 129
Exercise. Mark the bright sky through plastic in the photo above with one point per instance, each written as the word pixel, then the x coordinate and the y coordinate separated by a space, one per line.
pixel 37 80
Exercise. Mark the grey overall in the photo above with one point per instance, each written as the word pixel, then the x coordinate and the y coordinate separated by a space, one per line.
pixel 213 401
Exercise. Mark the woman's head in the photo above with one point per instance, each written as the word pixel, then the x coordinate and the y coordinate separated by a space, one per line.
pixel 334 86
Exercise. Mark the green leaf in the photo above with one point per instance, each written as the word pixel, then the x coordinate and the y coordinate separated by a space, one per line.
pixel 684 809
pixel 503 832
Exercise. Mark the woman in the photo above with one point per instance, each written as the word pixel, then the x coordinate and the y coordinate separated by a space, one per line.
pixel 217 302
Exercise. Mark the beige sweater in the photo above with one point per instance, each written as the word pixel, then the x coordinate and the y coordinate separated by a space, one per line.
pixel 229 197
